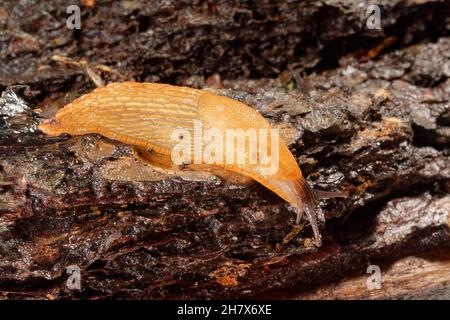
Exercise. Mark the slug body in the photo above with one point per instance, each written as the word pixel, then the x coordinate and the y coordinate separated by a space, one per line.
pixel 146 114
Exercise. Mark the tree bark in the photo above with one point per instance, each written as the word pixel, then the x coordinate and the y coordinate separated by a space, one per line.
pixel 362 111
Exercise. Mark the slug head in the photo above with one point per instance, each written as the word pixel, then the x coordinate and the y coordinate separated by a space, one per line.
pixel 308 205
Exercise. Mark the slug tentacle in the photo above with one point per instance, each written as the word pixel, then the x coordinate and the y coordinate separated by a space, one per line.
pixel 308 205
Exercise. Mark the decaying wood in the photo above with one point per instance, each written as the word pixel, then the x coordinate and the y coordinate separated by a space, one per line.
pixel 377 128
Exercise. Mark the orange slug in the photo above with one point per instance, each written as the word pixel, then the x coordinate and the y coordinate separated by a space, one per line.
pixel 145 115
